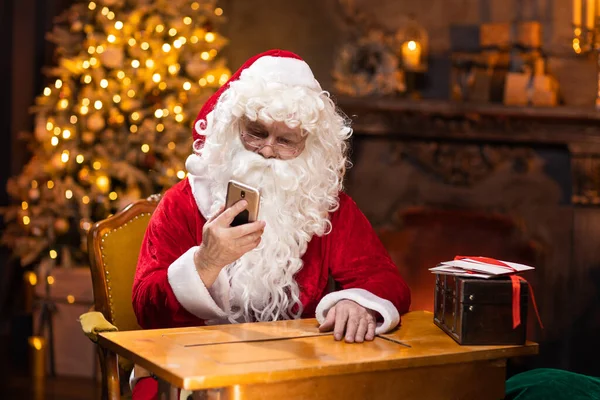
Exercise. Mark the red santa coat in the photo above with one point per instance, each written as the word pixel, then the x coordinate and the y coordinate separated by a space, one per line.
pixel 168 292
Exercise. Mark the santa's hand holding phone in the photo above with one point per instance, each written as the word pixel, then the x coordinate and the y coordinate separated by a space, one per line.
pixel 222 244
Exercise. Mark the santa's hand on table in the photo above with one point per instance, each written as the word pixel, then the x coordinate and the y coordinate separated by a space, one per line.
pixel 357 322
pixel 222 244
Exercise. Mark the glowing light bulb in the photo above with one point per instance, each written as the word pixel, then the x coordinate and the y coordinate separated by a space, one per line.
pixel 57 131
pixel 160 28
pixel 195 6
pixel 93 61
pixel 50 184
pixel 113 195
pixel 91 50
pixel 105 10
pixel 223 79
pixel 160 127
pixel 173 69
pixel 162 85
pixel 204 55
pixel 100 49
pixel 73 119
pixel 64 103
pixel 104 83
pixel 86 64
pixel 121 74
pixel 158 113
pixel 187 21
pixel 202 82
pixel 98 105
pixel 49 126
pixel 209 37
pixel 26 220
pixel 172 32
pixel 34 184
pixel 66 134
pixel 145 148
pixel 117 98
pixel 179 118
pixel 53 255
pixel 171 145
pixel 135 63
pixel 149 63
pixel 47 91
pixel 97 165
pixel 145 46
pixel 156 78
pixel 24 205
pixel 135 116
pixel 131 42
pixel 69 194
pixel 54 141
pixel 85 102
pixel 212 52
pixel 79 159
pixel 110 15
pixel 70 299
pixel 182 39
pixel 177 44
pixel 218 11
pixel 58 84
pixel 177 109
pixel 166 47
pixel 118 25
pixel 85 200
pixel 133 128
pixel 103 183
pixel 92 5
pixel 181 174
pixel 187 86
pixel 194 39
pixel 87 79
pixel 210 78
pixel 64 157
pixel 131 93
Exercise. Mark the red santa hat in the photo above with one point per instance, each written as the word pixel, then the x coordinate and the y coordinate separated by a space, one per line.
pixel 278 66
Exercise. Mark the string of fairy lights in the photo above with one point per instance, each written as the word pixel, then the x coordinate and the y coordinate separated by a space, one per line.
pixel 103 84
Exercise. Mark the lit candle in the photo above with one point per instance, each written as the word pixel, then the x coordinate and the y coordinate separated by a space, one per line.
pixel 411 55
pixel 577 12
pixel 590 14
pixel 37 351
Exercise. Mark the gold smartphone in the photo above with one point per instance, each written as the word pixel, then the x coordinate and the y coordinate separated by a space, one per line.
pixel 237 191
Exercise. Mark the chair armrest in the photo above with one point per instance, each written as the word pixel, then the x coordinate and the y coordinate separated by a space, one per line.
pixel 93 322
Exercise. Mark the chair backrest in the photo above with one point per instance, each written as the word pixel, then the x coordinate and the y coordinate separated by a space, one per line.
pixel 113 246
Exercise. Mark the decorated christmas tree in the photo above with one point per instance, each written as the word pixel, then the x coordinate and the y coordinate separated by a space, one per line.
pixel 114 123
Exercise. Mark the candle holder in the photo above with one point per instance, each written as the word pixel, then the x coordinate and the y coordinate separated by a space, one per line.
pixel 413 43
pixel 586 42
pixel 37 356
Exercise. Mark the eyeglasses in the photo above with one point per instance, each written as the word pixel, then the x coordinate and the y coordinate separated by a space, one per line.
pixel 283 148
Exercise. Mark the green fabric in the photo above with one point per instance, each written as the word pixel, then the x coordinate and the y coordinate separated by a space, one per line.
pixel 554 384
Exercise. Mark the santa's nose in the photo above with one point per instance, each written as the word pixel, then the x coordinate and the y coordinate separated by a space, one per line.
pixel 267 151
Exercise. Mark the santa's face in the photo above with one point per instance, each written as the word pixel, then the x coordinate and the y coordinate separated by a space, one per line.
pixel 272 140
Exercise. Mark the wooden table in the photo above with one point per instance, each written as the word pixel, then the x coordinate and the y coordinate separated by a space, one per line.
pixel 291 359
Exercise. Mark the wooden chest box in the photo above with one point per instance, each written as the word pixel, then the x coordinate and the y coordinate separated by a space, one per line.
pixel 475 311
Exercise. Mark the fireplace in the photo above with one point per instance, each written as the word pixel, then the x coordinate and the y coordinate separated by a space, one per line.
pixel 440 179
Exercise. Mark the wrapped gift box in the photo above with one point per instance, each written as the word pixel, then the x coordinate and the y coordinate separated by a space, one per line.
pixel 72 295
pixel 504 35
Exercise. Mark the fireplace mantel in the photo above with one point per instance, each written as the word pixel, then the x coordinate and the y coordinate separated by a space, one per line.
pixel 446 120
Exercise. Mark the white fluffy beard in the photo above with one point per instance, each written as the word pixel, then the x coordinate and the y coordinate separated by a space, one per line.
pixel 294 204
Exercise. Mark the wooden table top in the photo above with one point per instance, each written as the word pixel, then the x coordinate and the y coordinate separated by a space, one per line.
pixel 226 355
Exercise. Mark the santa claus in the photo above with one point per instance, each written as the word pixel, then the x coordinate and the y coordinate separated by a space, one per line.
pixel 272 127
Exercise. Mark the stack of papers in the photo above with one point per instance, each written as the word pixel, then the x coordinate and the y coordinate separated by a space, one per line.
pixel 479 267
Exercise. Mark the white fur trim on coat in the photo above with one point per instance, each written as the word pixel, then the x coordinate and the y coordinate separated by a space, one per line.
pixel 190 291
pixel 391 317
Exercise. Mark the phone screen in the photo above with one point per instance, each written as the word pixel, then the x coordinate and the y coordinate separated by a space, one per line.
pixel 241 218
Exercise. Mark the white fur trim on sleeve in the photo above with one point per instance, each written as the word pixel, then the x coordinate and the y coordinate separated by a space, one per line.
pixel 391 317
pixel 192 293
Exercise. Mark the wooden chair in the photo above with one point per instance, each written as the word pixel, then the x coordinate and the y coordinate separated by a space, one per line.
pixel 114 245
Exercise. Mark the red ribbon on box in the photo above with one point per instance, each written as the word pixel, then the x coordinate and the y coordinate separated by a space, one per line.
pixel 516 288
